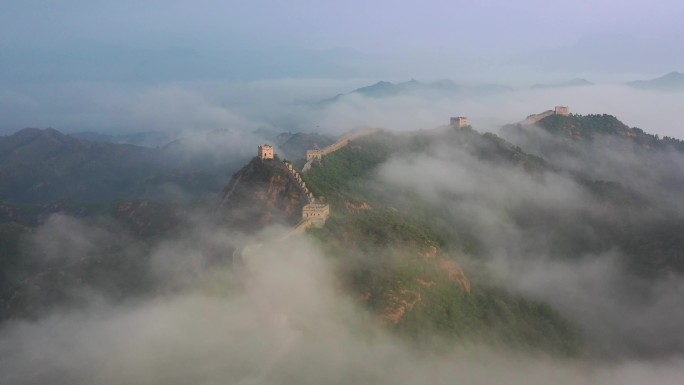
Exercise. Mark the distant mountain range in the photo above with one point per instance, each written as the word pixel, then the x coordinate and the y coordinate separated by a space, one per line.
pixel 674 81
pixel 38 166
pixel 578 82
pixel 46 165
pixel 440 88
pixel 145 139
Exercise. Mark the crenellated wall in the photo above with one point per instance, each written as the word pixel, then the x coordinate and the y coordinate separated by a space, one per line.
pixel 298 179
pixel 533 119
pixel 344 141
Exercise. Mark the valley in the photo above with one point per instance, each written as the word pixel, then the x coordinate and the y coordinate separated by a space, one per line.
pixel 435 235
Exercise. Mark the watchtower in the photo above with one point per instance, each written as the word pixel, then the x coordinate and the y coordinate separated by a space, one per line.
pixel 459 121
pixel 266 151
pixel 561 110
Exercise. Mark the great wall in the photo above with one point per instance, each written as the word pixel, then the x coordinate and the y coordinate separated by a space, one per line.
pixel 315 213
pixel 318 154
pixel 535 118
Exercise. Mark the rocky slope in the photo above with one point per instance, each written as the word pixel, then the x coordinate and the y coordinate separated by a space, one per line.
pixel 261 193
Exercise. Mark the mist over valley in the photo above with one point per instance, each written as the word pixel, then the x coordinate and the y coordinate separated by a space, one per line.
pixel 220 194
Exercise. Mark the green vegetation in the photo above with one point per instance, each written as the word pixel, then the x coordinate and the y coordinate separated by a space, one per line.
pixel 338 176
pixel 399 271
pixel 38 166
pixel 637 218
pixel 34 277
pixel 297 144
pixel 399 253
pixel 12 244
pixel 383 248
pixel 591 127
pixel 494 316
pixel 393 259
pixel 583 126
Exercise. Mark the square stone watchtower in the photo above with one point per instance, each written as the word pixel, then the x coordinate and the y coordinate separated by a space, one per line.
pixel 561 110
pixel 266 151
pixel 459 122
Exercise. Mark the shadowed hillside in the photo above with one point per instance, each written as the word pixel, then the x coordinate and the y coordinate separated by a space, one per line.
pixel 38 166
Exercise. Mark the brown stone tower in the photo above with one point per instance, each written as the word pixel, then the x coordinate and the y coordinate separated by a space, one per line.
pixel 266 151
pixel 561 110
pixel 459 122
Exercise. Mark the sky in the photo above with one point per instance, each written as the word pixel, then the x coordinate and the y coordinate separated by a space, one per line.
pixel 292 32
pixel 79 65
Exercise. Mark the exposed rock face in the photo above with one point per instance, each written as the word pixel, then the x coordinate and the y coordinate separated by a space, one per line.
pixel 261 193
pixel 399 303
pixel 456 274
pixel 355 208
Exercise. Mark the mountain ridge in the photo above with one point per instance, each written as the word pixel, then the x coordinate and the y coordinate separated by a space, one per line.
pixel 577 82
pixel 394 265
pixel 414 253
pixel 673 81
pixel 46 165
pixel 439 88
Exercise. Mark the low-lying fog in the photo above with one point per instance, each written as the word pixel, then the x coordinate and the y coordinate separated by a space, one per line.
pixel 292 105
pixel 280 319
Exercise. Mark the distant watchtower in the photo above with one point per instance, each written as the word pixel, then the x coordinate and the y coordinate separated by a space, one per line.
pixel 266 151
pixel 561 110
pixel 459 122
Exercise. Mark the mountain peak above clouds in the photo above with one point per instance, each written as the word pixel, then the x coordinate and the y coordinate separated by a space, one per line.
pixel 673 81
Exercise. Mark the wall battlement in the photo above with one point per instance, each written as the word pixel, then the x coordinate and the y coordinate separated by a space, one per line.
pixel 318 154
pixel 314 154
pixel 317 212
pixel 298 179
pixel 534 118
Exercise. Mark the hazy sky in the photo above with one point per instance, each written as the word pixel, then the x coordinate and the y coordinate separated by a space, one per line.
pixel 384 26
pixel 92 65
pixel 250 36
